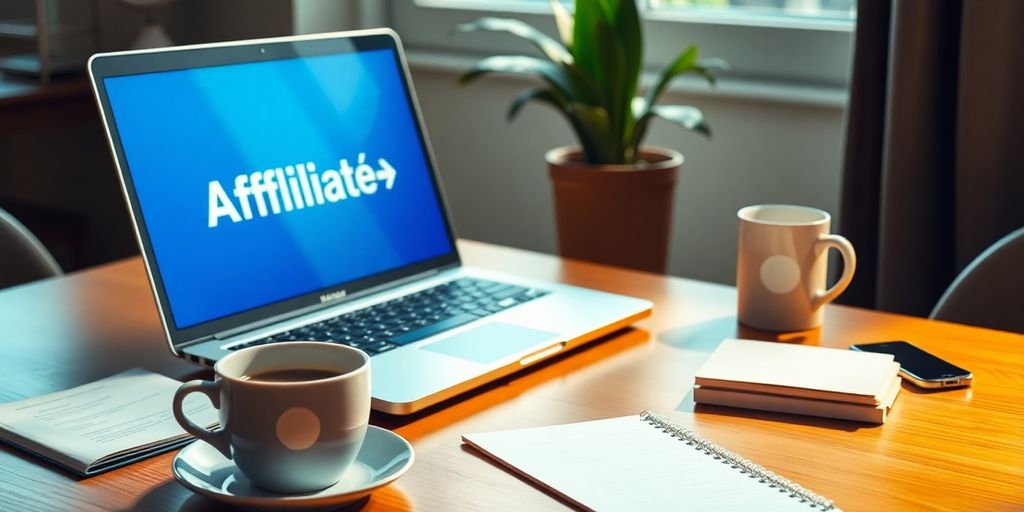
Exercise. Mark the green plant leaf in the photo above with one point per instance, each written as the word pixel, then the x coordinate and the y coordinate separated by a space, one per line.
pixel 592 128
pixel 691 118
pixel 686 116
pixel 643 118
pixel 607 49
pixel 626 22
pixel 708 67
pixel 535 94
pixel 584 88
pixel 638 129
pixel 564 21
pixel 567 80
pixel 645 108
pixel 683 63
pixel 550 47
pixel 589 123
pixel 611 81
pixel 592 76
pixel 553 74
pixel 587 15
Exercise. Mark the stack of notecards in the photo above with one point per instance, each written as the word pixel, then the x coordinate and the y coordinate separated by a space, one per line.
pixel 799 379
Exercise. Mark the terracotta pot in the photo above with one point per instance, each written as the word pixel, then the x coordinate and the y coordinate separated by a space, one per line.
pixel 615 214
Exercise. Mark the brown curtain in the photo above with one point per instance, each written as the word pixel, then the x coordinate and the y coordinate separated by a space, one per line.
pixel 934 167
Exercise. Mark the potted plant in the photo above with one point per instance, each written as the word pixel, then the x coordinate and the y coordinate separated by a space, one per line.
pixel 613 196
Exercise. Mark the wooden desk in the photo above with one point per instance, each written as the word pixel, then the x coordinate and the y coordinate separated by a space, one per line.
pixel 954 450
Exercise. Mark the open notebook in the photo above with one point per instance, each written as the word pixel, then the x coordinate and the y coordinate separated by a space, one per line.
pixel 641 462
pixel 103 425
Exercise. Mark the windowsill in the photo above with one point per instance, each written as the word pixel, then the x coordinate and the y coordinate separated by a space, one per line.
pixel 687 15
pixel 810 95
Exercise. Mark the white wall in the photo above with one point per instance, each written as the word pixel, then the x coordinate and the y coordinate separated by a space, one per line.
pixel 496 180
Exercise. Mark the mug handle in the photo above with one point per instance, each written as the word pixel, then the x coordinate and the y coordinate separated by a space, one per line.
pixel 845 248
pixel 216 438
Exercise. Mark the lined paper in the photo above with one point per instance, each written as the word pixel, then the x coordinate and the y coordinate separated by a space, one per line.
pixel 628 464
pixel 104 424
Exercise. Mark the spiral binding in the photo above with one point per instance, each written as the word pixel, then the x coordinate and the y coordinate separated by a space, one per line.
pixel 743 465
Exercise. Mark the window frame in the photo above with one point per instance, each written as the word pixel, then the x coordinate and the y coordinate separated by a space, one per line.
pixel 794 62
pixel 682 14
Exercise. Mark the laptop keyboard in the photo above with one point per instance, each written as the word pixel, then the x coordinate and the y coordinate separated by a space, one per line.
pixel 412 317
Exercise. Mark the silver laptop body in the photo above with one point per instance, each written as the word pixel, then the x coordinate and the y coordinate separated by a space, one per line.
pixel 161 146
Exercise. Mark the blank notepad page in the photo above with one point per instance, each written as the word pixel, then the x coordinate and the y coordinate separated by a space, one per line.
pixel 629 464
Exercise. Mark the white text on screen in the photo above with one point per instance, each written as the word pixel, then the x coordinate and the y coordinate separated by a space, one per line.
pixel 295 187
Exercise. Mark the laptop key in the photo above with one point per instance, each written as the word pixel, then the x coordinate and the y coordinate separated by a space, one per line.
pixel 380 346
pixel 430 330
pixel 509 291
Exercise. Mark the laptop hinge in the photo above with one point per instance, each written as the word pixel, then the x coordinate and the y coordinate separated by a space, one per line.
pixel 319 307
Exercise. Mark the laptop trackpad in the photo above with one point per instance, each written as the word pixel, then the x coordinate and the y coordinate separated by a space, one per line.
pixel 490 342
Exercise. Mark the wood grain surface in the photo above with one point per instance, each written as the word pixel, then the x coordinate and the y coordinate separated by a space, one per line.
pixel 952 450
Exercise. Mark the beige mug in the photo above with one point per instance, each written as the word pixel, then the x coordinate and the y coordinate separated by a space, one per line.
pixel 782 263
pixel 293 415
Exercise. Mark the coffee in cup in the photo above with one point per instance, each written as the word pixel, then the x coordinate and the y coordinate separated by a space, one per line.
pixel 293 415
pixel 292 375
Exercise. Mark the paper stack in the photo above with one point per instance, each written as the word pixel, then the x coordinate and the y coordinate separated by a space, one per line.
pixel 799 379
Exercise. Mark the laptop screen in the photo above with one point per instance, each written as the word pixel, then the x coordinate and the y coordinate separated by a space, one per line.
pixel 264 181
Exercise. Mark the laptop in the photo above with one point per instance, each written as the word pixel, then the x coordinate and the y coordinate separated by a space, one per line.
pixel 284 189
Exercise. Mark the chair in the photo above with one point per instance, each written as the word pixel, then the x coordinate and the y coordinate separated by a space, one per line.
pixel 22 257
pixel 990 291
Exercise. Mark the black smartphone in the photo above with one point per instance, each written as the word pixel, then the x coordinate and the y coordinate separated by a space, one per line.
pixel 920 367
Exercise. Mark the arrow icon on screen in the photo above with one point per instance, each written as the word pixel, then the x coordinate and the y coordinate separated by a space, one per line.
pixel 386 172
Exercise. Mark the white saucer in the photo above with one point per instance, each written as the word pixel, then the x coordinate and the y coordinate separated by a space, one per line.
pixel 384 457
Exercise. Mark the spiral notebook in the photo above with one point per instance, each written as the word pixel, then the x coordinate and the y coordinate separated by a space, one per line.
pixel 643 462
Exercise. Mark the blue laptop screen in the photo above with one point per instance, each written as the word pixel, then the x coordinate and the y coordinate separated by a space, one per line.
pixel 264 181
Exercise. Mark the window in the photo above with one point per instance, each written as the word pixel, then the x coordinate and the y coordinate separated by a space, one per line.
pixel 791 50
pixel 836 10
pixel 748 11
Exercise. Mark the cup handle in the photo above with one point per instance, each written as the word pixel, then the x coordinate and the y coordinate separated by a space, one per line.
pixel 216 438
pixel 845 248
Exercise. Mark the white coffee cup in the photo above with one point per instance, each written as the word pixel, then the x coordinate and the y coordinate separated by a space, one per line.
pixel 287 436
pixel 782 263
